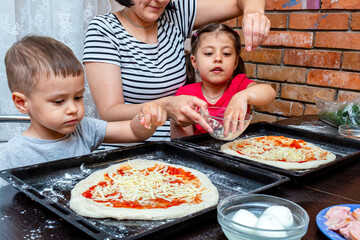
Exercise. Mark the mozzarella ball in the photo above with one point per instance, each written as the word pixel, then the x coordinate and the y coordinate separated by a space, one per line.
pixel 282 213
pixel 267 221
pixel 245 217
pixel 270 222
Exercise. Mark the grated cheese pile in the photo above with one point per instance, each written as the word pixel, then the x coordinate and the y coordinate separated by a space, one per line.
pixel 143 186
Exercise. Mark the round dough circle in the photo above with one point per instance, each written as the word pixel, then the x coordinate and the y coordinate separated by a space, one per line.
pixel 323 156
pixel 89 208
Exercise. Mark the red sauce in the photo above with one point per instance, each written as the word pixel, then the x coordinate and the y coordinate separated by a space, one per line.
pixel 296 144
pixel 179 172
pixel 177 181
pixel 88 193
pixel 102 184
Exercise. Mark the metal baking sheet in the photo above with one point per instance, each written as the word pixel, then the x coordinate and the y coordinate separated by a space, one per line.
pixel 346 150
pixel 50 185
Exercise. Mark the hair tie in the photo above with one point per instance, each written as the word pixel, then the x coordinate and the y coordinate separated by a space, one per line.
pixel 195 34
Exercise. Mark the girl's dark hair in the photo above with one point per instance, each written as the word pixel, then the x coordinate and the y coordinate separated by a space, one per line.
pixel 129 3
pixel 195 42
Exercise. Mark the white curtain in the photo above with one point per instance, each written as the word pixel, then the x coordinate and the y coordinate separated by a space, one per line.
pixel 64 20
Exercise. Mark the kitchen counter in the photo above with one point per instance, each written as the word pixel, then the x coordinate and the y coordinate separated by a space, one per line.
pixel 21 218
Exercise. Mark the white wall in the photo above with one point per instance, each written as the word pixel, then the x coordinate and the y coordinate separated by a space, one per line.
pixel 115 6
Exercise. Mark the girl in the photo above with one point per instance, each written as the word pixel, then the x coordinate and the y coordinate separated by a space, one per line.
pixel 215 55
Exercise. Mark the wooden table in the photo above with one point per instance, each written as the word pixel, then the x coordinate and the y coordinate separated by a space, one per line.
pixel 21 218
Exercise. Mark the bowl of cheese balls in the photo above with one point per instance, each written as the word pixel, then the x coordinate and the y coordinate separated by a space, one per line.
pixel 261 217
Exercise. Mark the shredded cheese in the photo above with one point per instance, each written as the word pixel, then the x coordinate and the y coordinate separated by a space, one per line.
pixel 277 148
pixel 143 186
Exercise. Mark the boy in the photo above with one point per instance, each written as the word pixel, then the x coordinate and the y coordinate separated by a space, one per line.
pixel 47 83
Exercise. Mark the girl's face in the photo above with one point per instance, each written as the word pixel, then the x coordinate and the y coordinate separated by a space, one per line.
pixel 148 11
pixel 215 57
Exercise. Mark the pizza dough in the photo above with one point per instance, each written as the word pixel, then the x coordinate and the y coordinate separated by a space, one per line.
pixel 141 184
pixel 279 151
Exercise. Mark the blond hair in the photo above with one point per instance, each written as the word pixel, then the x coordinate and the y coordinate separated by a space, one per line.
pixel 35 57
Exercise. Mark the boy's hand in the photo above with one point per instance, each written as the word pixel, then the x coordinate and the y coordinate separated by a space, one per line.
pixel 152 114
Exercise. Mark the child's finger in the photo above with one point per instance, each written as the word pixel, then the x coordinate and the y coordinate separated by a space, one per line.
pixel 234 125
pixel 163 117
pixel 159 116
pixel 228 117
pixel 241 122
pixel 147 119
pixel 141 118
pixel 234 122
pixel 226 124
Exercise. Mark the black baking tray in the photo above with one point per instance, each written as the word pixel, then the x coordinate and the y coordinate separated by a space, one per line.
pixel 50 185
pixel 346 150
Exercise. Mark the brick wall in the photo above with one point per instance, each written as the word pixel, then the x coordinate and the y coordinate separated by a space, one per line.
pixel 313 49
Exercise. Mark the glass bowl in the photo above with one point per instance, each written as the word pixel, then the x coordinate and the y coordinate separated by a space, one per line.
pixel 350 131
pixel 215 118
pixel 257 203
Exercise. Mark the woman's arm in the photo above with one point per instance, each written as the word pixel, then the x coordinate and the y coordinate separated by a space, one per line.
pixel 106 88
pixel 255 24
pixel 105 84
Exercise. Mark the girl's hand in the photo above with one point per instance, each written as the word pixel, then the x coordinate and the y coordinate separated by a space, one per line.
pixel 256 28
pixel 152 113
pixel 184 110
pixel 236 110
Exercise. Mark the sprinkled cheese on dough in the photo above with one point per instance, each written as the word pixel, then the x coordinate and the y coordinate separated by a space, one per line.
pixel 159 186
pixel 277 148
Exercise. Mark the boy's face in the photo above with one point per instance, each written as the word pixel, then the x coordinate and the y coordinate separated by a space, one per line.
pixel 56 106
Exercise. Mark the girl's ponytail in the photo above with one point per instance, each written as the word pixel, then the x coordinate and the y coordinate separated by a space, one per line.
pixel 240 68
pixel 190 71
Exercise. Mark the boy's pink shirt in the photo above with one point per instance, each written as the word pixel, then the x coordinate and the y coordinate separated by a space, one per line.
pixel 239 83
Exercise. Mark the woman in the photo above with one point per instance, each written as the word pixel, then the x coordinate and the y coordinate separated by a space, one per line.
pixel 136 55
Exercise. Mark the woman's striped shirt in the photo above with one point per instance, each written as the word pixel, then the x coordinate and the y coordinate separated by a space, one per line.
pixel 148 71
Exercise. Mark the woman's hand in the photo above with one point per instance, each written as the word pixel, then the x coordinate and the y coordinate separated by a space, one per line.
pixel 184 111
pixel 152 113
pixel 255 28
pixel 255 24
